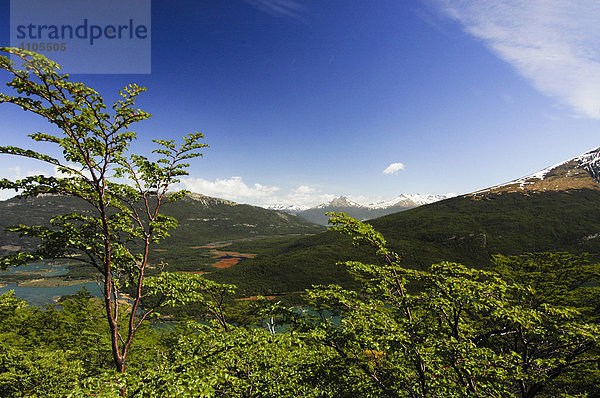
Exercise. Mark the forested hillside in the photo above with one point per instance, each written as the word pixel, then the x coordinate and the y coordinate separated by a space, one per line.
pixel 201 219
pixel 466 229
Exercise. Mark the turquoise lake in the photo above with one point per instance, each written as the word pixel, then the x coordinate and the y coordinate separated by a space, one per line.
pixel 39 295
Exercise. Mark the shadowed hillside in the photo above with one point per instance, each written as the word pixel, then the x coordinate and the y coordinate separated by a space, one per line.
pixel 202 219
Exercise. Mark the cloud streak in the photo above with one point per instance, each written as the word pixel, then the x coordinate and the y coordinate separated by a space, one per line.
pixel 393 168
pixel 555 44
pixel 278 8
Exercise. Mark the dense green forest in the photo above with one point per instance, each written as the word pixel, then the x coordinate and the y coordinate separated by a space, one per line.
pixel 527 327
pixel 378 324
pixel 463 229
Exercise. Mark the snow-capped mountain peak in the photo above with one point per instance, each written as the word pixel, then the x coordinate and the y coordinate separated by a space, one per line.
pixel 357 210
pixel 287 208
pixel 342 201
pixel 582 171
pixel 408 200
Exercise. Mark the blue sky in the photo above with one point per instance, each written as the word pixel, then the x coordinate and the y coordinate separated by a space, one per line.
pixel 302 101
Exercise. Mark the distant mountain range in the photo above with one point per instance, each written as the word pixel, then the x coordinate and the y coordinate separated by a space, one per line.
pixel 555 209
pixel 288 208
pixel 317 214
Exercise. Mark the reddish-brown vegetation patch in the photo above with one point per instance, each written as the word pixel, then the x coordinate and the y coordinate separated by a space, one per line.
pixel 227 262
pixel 229 259
pixel 217 253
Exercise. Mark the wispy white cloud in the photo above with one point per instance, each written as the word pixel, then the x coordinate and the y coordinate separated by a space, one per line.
pixel 16 173
pixel 393 168
pixel 552 43
pixel 305 196
pixel 304 190
pixel 278 8
pixel 233 188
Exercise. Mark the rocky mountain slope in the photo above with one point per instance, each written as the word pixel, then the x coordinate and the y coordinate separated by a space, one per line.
pixel 580 172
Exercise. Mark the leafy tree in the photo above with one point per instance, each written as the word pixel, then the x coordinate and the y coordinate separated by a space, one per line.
pixel 204 361
pixel 564 288
pixel 48 351
pixel 124 218
pixel 557 278
pixel 446 331
pixel 41 354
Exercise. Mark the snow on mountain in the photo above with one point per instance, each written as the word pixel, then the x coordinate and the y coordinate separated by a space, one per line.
pixel 403 201
pixel 287 208
pixel 582 171
pixel 342 201
pixel 408 200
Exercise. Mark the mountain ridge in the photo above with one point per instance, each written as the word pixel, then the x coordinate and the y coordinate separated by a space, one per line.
pixel 402 200
pixel 580 172
pixel 201 219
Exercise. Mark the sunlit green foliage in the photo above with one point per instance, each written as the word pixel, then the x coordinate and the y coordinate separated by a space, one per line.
pixel 115 238
pixel 451 330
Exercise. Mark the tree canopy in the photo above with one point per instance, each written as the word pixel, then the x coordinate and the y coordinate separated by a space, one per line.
pixel 124 190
